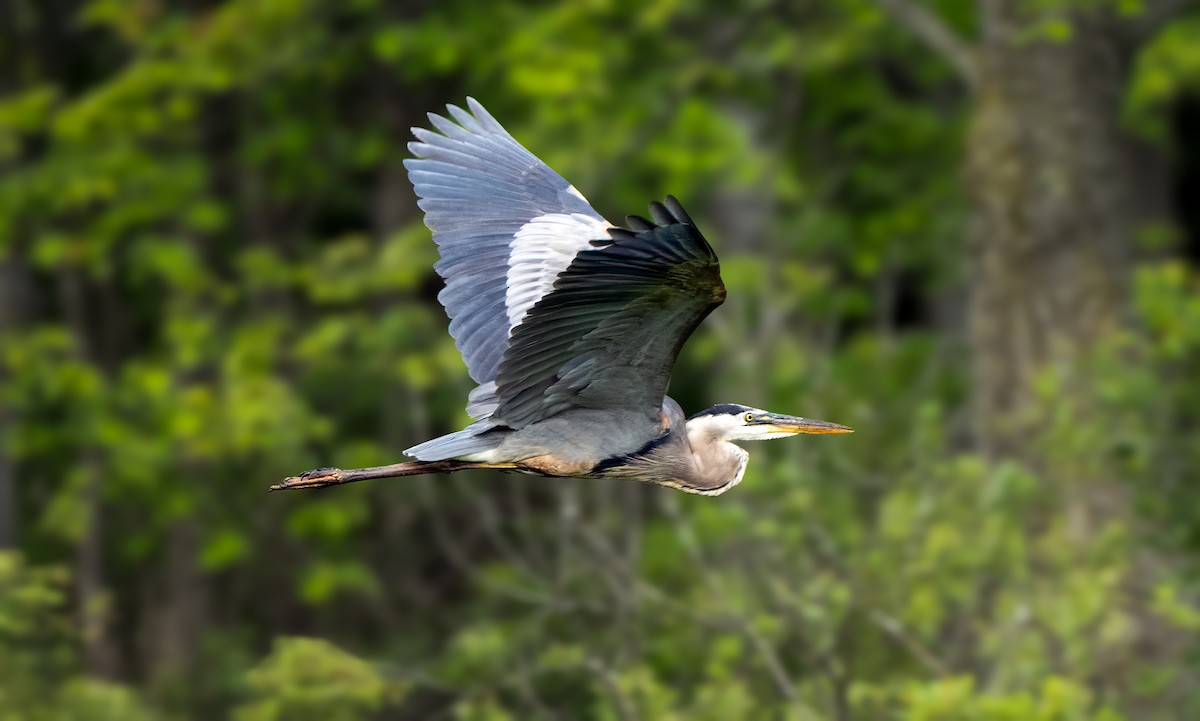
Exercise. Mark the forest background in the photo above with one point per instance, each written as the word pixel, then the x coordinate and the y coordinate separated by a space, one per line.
pixel 970 230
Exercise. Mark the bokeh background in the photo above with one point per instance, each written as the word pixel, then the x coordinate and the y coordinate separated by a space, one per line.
pixel 971 230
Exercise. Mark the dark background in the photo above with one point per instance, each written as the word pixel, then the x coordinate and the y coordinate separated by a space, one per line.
pixel 968 229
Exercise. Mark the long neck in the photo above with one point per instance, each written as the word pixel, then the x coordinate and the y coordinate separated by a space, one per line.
pixel 716 465
pixel 693 457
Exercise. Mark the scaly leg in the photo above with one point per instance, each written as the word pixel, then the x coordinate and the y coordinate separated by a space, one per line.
pixel 322 477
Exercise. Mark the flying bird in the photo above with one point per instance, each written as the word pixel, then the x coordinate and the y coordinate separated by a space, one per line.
pixel 568 324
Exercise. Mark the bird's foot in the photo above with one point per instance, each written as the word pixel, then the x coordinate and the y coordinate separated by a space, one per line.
pixel 316 478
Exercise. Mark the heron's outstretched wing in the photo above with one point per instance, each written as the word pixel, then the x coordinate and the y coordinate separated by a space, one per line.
pixel 608 334
pixel 505 224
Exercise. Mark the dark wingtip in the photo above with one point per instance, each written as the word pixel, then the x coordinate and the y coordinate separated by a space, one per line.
pixel 668 212
pixel 677 211
pixel 661 215
pixel 638 223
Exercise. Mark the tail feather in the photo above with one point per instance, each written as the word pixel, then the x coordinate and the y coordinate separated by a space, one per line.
pixel 468 443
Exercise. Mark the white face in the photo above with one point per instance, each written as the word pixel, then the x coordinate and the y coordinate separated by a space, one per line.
pixel 745 426
pixel 755 424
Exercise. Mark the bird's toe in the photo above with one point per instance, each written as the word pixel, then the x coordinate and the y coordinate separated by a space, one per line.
pixel 316 478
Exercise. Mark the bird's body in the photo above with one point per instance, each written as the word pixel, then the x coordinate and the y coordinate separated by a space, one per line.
pixel 590 444
pixel 568 324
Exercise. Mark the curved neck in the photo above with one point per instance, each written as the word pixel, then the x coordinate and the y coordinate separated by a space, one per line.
pixel 716 464
pixel 693 457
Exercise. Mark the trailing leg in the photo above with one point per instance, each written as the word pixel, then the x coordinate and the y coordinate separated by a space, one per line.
pixel 322 477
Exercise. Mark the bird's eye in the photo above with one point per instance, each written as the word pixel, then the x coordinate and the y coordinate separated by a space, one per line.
pixel 749 417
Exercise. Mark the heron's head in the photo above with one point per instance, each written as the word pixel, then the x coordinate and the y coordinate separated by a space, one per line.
pixel 733 422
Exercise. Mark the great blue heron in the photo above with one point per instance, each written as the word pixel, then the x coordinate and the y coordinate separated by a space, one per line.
pixel 569 324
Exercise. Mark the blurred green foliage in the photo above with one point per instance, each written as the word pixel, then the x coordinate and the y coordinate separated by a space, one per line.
pixel 39 665
pixel 231 283
pixel 310 679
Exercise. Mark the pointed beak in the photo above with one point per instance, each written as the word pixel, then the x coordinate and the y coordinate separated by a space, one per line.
pixel 793 425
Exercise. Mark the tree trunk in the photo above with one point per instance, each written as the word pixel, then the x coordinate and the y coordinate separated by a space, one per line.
pixel 182 605
pixel 94 599
pixel 13 302
pixel 100 656
pixel 8 488
pixel 1055 185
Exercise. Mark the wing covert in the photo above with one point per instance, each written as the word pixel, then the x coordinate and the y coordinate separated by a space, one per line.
pixel 505 225
pixel 608 334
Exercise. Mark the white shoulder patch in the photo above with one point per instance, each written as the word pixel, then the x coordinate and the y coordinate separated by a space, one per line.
pixel 541 250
